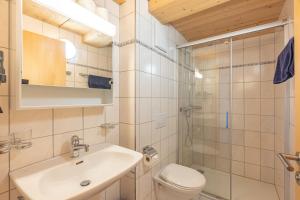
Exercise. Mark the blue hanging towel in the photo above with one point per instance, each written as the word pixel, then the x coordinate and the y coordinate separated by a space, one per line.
pixel 99 82
pixel 285 64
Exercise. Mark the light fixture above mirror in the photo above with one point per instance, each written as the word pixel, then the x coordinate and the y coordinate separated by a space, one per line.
pixel 79 14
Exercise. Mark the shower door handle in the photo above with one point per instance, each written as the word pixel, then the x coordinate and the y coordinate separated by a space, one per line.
pixel 285 159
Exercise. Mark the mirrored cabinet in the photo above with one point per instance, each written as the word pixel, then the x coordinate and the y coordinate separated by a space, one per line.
pixel 63 56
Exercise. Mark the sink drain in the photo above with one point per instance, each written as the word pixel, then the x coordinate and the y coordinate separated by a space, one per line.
pixel 85 183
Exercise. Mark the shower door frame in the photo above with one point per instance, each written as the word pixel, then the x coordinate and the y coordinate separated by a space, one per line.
pixel 229 36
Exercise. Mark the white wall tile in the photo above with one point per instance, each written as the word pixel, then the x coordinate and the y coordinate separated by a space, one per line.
pixel 127 135
pixel 145 84
pixel 145 134
pixel 267 141
pixel 4 117
pixel 252 155
pixel 127 7
pixel 252 90
pixel 238 121
pixel 127 110
pixel 267 106
pixel 238 74
pixel 267 90
pixel 238 153
pixel 267 52
pixel 4 177
pixel 127 27
pixel 267 175
pixel 155 86
pixel 127 57
pixel 267 124
pixel 42 149
pixel 267 72
pixel 252 171
pixel 238 168
pixel 251 55
pixel 38 121
pixel 145 110
pixel 144 59
pixel 127 84
pixel 252 73
pixel 238 137
pixel 267 158
pixel 238 90
pixel 4 21
pixel 252 106
pixel 252 139
pixel 66 120
pixel 155 63
pixel 252 122
pixel 94 136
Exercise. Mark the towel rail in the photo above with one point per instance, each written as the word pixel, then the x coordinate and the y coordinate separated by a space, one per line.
pixel 83 75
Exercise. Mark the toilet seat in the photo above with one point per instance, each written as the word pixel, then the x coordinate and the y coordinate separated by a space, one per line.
pixel 182 178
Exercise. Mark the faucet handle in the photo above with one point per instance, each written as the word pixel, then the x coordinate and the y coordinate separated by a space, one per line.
pixel 75 140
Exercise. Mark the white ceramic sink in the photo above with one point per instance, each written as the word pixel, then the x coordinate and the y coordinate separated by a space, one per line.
pixel 60 178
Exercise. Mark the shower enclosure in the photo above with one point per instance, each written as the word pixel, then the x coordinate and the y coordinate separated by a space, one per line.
pixel 228 110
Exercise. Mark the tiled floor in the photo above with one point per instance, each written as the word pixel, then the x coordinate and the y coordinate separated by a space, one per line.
pixel 218 183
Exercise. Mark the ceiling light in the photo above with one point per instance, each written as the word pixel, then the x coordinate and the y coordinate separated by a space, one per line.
pixel 74 11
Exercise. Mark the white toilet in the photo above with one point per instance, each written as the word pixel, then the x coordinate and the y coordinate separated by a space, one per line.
pixel 176 182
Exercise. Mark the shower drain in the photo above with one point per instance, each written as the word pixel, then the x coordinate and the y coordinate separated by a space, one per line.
pixel 85 183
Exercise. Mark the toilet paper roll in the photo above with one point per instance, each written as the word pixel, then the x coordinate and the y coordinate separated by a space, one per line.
pixel 151 161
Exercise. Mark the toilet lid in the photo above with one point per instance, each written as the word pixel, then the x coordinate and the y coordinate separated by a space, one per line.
pixel 182 176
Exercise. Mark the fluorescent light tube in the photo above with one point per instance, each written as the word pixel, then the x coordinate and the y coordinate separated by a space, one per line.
pixel 74 11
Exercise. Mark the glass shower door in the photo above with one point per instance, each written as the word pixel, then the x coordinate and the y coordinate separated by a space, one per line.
pixel 204 104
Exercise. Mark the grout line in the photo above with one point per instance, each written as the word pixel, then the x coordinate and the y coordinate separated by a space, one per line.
pixel 9 94
pixel 88 66
pixel 244 112
pixel 83 127
pixel 260 125
pixel 274 107
pixel 53 141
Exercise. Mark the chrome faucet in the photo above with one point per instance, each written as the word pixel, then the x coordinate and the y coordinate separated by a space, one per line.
pixel 76 146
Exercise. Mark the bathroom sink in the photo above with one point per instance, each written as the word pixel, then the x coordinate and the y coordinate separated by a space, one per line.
pixel 69 178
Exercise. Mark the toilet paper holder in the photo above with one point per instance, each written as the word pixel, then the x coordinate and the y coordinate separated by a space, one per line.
pixel 149 152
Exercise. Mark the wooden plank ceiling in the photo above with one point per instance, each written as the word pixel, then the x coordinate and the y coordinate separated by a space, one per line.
pixel 222 18
pixel 120 2
pixel 167 11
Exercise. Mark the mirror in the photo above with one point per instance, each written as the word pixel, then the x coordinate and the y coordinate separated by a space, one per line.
pixel 58 51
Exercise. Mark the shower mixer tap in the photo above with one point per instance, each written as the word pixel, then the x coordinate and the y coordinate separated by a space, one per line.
pixel 2 70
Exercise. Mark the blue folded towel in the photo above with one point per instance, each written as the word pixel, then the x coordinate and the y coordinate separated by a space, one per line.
pixel 99 82
pixel 285 64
